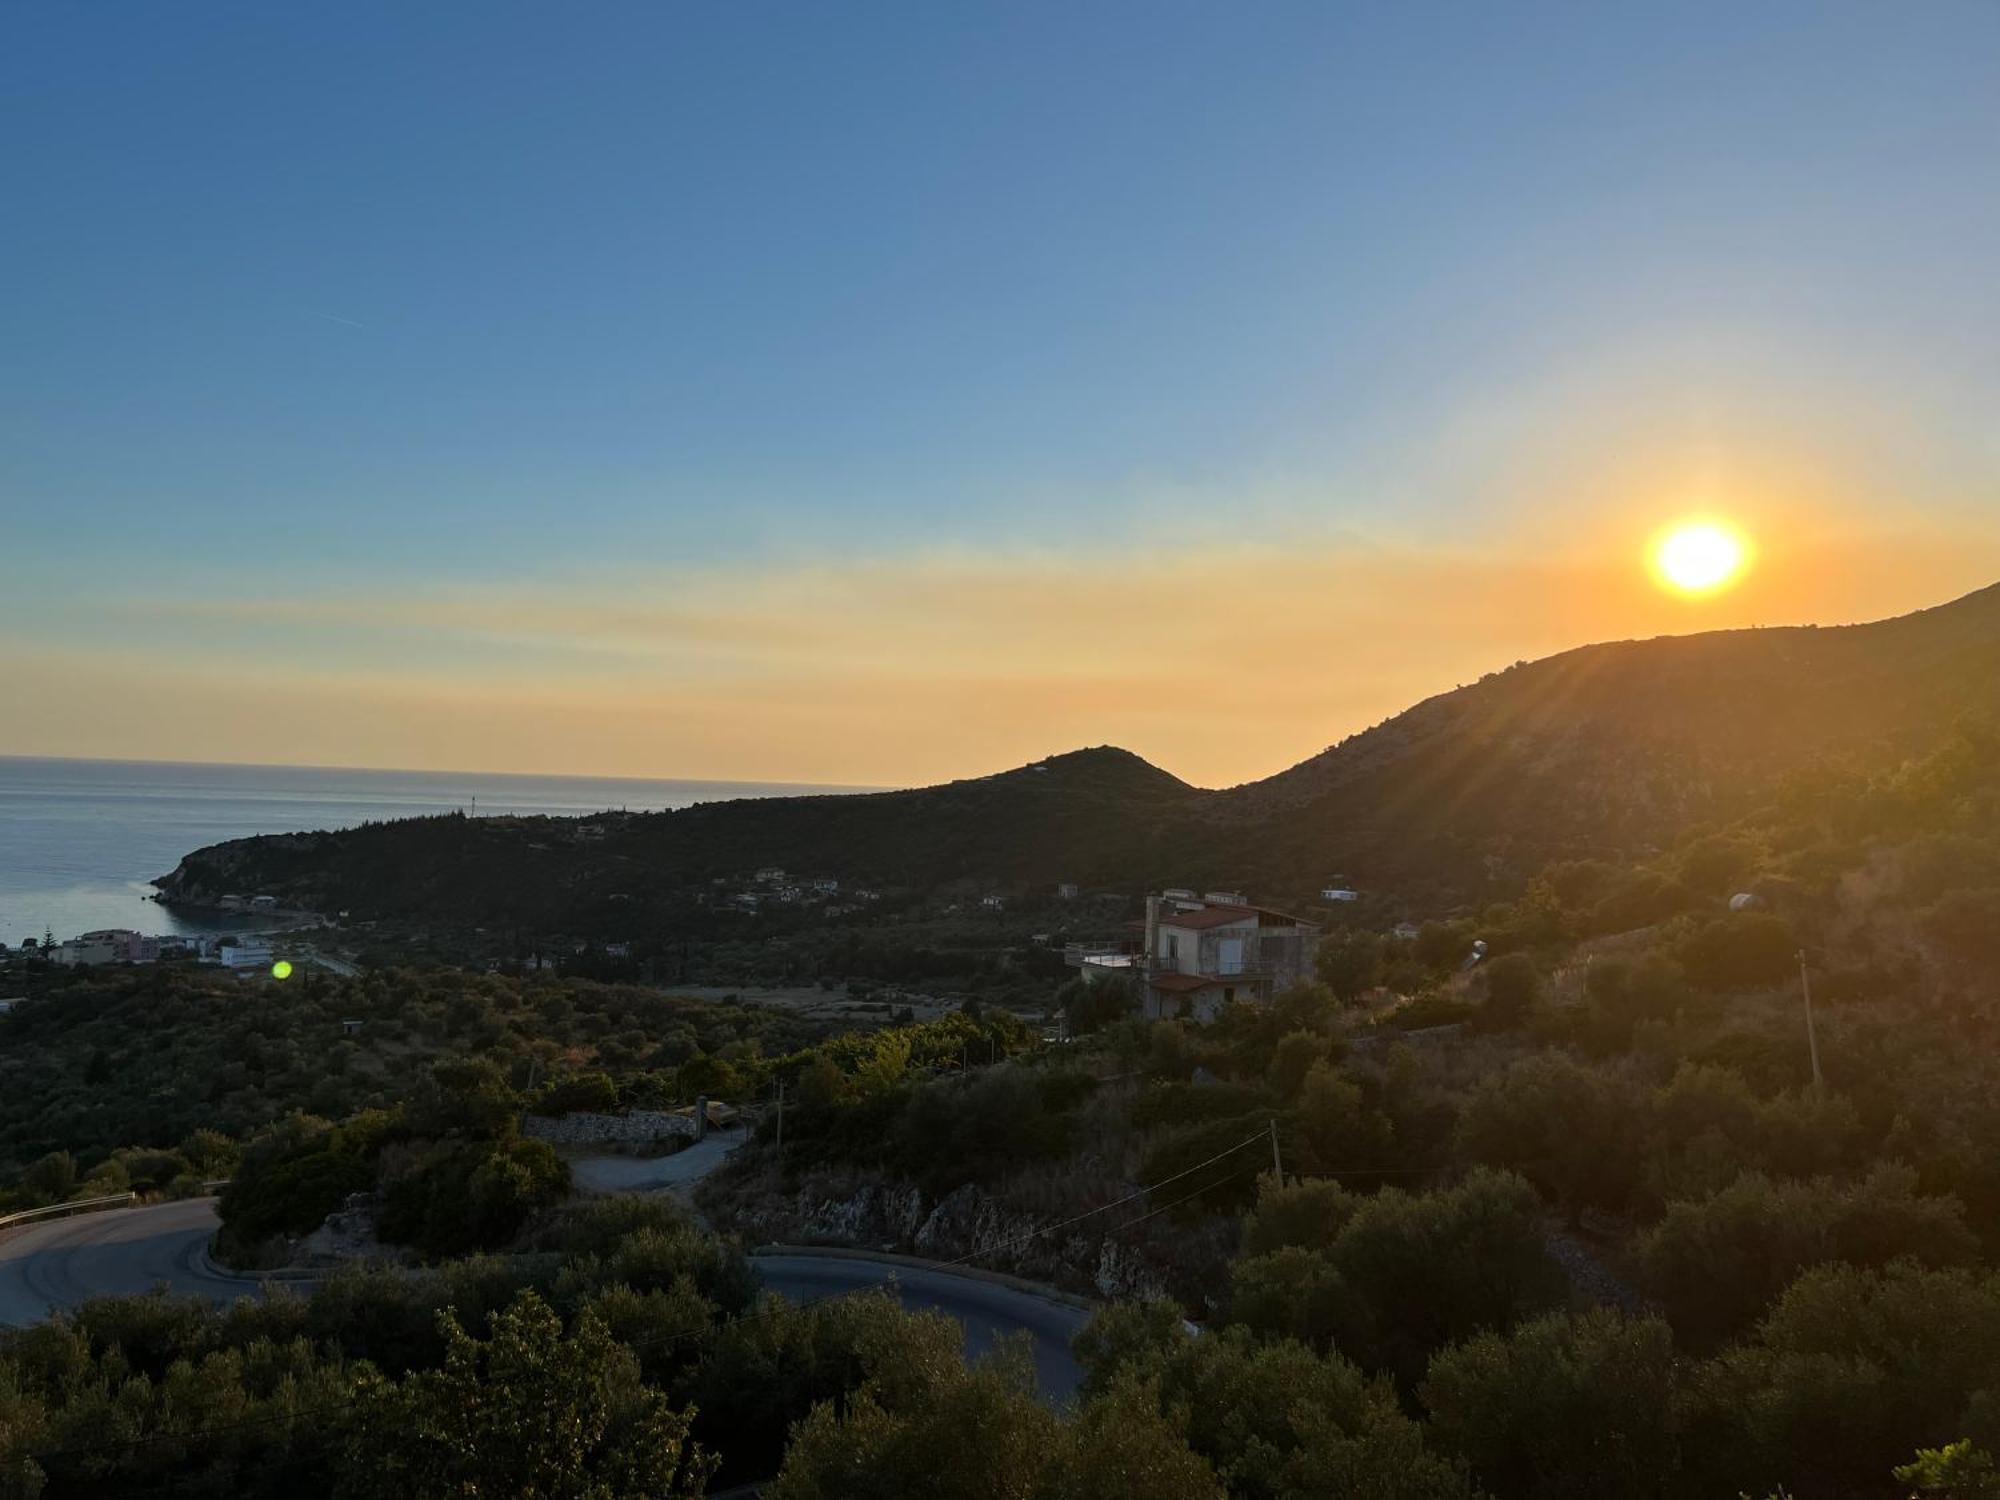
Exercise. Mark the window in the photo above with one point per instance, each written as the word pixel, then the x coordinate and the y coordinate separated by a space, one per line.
pixel 1231 950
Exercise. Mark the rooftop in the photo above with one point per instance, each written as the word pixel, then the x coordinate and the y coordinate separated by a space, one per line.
pixel 1185 984
pixel 1222 916
pixel 1208 916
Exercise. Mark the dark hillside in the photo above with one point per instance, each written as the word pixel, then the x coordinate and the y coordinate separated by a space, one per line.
pixel 1610 749
pixel 1092 816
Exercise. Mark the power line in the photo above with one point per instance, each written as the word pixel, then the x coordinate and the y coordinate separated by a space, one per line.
pixel 1105 1208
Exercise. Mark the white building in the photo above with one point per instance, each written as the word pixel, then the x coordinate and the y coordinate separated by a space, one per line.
pixel 1095 966
pixel 1339 893
pixel 246 953
pixel 108 945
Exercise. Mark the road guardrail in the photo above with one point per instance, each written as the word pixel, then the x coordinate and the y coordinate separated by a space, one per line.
pixel 64 1210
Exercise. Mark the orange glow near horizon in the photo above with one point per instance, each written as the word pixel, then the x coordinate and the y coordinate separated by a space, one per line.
pixel 1698 558
pixel 915 669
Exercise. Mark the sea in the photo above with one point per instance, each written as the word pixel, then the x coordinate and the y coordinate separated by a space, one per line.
pixel 81 839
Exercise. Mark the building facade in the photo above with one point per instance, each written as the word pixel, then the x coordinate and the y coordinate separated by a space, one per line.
pixel 1203 954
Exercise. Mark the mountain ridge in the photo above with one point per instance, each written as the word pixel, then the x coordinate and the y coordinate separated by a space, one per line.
pixel 1614 747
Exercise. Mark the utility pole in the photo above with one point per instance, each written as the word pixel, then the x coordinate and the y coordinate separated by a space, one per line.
pixel 1277 1162
pixel 1812 1035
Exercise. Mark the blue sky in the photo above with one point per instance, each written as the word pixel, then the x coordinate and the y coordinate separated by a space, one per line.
pixel 499 307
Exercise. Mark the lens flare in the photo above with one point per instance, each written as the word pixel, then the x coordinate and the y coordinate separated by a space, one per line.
pixel 282 969
pixel 1699 557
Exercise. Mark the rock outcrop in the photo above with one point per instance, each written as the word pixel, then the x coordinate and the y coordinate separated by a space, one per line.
pixel 981 1229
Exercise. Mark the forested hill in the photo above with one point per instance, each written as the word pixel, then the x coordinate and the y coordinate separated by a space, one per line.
pixel 1621 747
pixel 1609 749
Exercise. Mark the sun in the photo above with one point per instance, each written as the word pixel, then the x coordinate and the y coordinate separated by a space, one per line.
pixel 1699 557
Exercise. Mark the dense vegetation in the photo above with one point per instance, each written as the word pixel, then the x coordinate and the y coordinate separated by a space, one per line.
pixel 1567 1206
pixel 172 1060
pixel 1612 1200
pixel 630 1354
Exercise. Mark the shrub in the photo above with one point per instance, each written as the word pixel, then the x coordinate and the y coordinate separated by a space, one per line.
pixel 52 1178
pixel 1341 1129
pixel 1850 1371
pixel 1637 898
pixel 580 1093
pixel 1193 1103
pixel 1409 1273
pixel 1967 925
pixel 1513 988
pixel 1742 950
pixel 1431 1010
pixel 295 1174
pixel 1569 1128
pixel 1619 995
pixel 528 1410
pixel 1715 1263
pixel 1350 964
pixel 1293 1058
pixel 1275 1420
pixel 1305 1212
pixel 461 1196
pixel 1563 1408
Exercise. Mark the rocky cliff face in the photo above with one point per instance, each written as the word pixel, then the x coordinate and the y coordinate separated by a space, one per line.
pixel 979 1228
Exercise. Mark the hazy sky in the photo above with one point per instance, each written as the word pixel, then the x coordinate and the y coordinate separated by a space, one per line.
pixel 881 393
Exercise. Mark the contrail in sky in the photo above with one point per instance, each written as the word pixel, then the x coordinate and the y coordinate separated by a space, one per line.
pixel 346 322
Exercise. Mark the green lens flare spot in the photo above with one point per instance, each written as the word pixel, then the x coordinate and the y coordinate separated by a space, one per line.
pixel 282 969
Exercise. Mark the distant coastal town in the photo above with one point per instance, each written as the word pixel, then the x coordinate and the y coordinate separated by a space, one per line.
pixel 247 950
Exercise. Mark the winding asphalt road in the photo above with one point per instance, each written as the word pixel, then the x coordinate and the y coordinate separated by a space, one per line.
pixel 53 1267
pixel 986 1310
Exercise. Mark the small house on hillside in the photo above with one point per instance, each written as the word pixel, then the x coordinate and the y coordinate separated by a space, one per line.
pixel 1202 955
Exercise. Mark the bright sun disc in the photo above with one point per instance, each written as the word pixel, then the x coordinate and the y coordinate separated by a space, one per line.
pixel 1699 557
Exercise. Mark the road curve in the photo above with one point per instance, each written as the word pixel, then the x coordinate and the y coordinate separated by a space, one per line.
pixel 986 1310
pixel 53 1267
